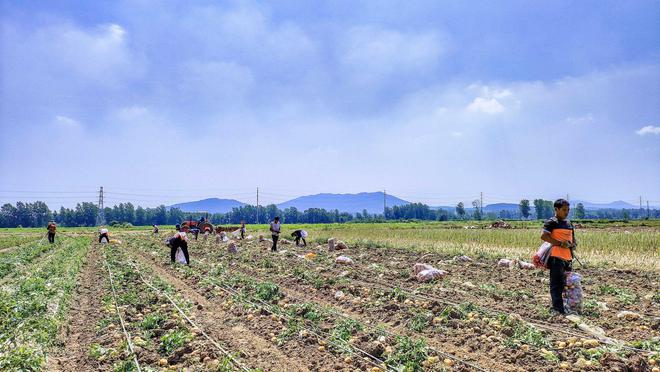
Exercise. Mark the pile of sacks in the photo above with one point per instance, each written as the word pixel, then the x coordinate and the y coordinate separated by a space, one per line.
pixel 222 237
pixel 500 225
pixel 231 247
pixel 426 273
pixel 573 293
pixel 262 239
pixel 505 262
pixel 462 259
pixel 343 260
pixel 336 245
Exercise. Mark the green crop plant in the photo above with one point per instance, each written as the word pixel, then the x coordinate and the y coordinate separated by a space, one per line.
pixel 420 320
pixel 308 311
pixel 523 333
pixel 623 296
pixel 125 366
pixel 343 329
pixel 152 321
pixel 173 341
pixel 396 294
pixel 408 354
pixel 268 292
pixel 590 308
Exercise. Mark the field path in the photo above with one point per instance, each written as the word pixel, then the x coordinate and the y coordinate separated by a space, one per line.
pixel 85 312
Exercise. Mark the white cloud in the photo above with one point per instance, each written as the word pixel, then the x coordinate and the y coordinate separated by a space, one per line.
pixel 457 134
pixel 486 105
pixel 66 122
pixel 101 53
pixel 370 54
pixel 580 120
pixel 216 80
pixel 649 129
pixel 132 113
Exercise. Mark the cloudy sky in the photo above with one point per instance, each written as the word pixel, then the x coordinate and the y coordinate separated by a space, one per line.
pixel 434 101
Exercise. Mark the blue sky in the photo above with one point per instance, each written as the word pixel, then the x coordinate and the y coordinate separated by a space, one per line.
pixel 433 101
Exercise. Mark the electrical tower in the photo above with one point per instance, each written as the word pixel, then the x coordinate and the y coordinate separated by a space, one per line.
pixel 257 205
pixel 100 218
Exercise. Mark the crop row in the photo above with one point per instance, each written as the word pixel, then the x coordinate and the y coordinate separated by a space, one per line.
pixel 34 305
pixel 155 325
pixel 508 332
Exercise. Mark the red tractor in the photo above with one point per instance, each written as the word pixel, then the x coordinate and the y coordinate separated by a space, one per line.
pixel 196 227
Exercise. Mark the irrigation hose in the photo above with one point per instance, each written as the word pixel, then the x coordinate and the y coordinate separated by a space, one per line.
pixel 217 345
pixel 121 319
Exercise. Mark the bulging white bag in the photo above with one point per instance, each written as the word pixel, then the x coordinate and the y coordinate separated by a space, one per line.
pixel 343 260
pixel 421 267
pixel 430 274
pixel 180 257
pixel 540 259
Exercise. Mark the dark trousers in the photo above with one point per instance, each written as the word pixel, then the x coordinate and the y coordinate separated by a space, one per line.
pixel 558 269
pixel 242 234
pixel 107 238
pixel 184 248
pixel 298 241
pixel 51 237
pixel 274 248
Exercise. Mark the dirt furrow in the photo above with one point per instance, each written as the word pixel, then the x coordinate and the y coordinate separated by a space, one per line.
pixel 223 327
pixel 79 333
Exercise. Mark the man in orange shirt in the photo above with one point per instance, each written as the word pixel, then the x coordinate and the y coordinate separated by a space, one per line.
pixel 52 228
pixel 559 232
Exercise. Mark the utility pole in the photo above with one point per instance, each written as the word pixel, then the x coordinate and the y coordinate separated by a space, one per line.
pixel 567 199
pixel 481 204
pixel 641 210
pixel 100 217
pixel 257 205
pixel 648 211
pixel 385 204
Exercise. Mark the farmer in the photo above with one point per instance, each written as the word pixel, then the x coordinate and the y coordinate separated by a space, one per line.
pixel 179 240
pixel 242 229
pixel 275 231
pixel 155 229
pixel 51 231
pixel 299 234
pixel 103 233
pixel 559 232
pixel 195 231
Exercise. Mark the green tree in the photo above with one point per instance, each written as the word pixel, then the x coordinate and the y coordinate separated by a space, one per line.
pixel 160 215
pixel 460 210
pixel 41 213
pixel 175 216
pixel 24 214
pixel 525 208
pixel 140 216
pixel 8 216
pixel 579 211
pixel 477 209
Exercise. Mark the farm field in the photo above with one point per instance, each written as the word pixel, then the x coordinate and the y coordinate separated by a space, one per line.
pixel 80 305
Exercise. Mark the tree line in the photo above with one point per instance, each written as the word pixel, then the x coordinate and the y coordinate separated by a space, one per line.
pixel 37 214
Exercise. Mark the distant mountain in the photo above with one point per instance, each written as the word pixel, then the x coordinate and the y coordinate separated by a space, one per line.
pixel 487 208
pixel 352 203
pixel 501 207
pixel 613 205
pixel 211 205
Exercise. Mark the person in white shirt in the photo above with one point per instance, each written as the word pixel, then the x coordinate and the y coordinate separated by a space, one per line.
pixel 298 235
pixel 179 240
pixel 103 233
pixel 275 232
